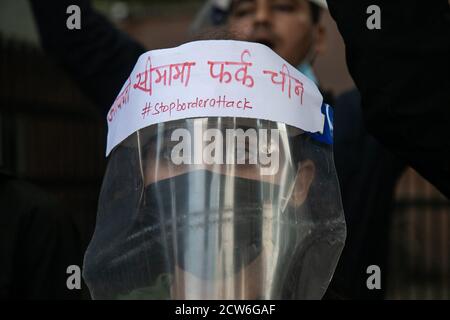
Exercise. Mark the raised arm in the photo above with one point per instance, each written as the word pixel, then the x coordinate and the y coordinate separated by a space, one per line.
pixel 98 56
pixel 402 72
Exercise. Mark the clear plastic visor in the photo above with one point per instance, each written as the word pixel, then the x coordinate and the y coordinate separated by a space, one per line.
pixel 217 208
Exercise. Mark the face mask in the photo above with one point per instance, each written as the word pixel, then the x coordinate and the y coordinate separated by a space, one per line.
pixel 210 217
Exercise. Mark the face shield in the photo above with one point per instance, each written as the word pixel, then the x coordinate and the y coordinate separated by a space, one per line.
pixel 219 205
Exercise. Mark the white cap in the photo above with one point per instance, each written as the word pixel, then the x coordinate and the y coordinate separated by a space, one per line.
pixel 320 3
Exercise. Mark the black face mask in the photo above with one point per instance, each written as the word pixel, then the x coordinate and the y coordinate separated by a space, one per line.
pixel 205 214
pixel 201 221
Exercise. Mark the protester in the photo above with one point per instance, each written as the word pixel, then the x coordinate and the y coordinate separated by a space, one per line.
pixel 100 58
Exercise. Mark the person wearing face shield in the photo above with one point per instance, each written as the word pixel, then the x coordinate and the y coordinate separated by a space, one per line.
pixel 367 174
pixel 213 201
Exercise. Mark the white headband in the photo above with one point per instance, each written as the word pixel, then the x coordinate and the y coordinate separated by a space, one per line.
pixel 214 78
